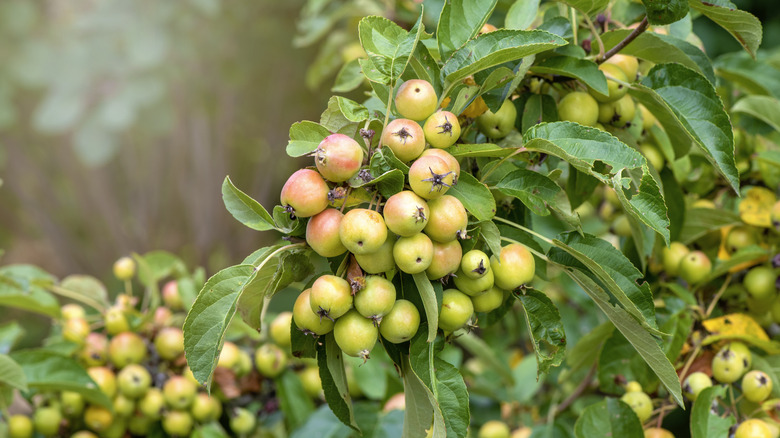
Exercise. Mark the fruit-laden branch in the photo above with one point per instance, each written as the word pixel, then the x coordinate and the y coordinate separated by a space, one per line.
pixel 631 37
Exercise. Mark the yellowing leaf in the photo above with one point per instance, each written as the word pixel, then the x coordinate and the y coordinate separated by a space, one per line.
pixel 735 324
pixel 756 207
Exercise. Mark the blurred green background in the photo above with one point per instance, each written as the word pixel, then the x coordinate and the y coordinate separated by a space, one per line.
pixel 120 119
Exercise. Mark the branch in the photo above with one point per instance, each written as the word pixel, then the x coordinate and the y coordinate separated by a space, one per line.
pixel 631 37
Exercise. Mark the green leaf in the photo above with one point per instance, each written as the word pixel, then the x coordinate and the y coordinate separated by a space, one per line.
pixel 764 108
pixel 209 317
pixel 430 303
pixel 588 7
pixel 700 221
pixel 460 21
pixel 531 188
pixel 705 423
pixel 742 256
pixel 539 108
pixel 493 49
pixel 425 67
pixel 49 372
pixel 370 376
pixel 24 287
pixel 607 419
pixel 156 265
pixel 489 232
pixel 485 150
pixel 661 49
pixel 334 380
pixel 695 107
pixel 663 12
pixel 322 424
pixel 521 14
pixel 305 137
pixel 546 329
pixel 388 46
pixel 587 349
pixel 348 78
pixel 384 160
pixel 288 225
pixel 479 348
pixel 388 183
pixel 422 412
pixel 273 275
pixel 618 358
pixel 743 26
pixel 10 333
pixel 86 286
pixel 754 76
pixel 585 70
pixel 302 345
pixel 11 374
pixel 245 209
pixel 443 381
pixel 293 400
pixel 475 196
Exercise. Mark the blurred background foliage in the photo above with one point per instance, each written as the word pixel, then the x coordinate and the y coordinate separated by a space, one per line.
pixel 119 119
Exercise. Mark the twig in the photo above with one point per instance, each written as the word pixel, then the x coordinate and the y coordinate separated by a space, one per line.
pixel 487 174
pixel 717 296
pixel 577 391
pixel 631 37
pixel 595 34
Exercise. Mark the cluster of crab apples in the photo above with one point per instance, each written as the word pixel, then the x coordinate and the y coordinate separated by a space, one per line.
pixel 416 230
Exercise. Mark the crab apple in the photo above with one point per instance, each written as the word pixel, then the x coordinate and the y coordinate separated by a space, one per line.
pixel 743 352
pixel 579 107
pixel 376 299
pixel 657 432
pixel 513 267
pixel 229 356
pixel 442 129
pixel 270 360
pixel 416 99
pixel 71 311
pixel 475 264
pixel 98 418
pixel 171 296
pixel 456 310
pixel 322 233
pixel 280 329
pixel 615 89
pixel 413 254
pixel 124 268
pixel 179 392
pixel 362 231
pixel 177 423
pixel 695 267
pixel 448 158
pixel 671 256
pixel 152 404
pixel 401 323
pixel 741 237
pixel 405 213
pixel 126 348
pixel 169 343
pixel 753 428
pixel 355 335
pixel 640 403
pixel 205 408
pixel 380 261
pixel 756 386
pixel 310 379
pixel 75 330
pixel 117 429
pixel 138 425
pixel 448 219
pixel 338 157
pixel 446 259
pixel 430 177
pixel 648 119
pixel 105 379
pixel 305 193
pixel 134 380
pixel 474 286
pixel 162 317
pixel 244 366
pixel 20 426
pixel 242 422
pixel 694 384
pixel 405 138
pixel 619 112
pixel 116 321
pixel 330 297
pixel 488 301
pixel 760 282
pixel 306 320
pixel 95 350
pixel 727 366
pixel 499 124
pixel 72 404
pixel 628 64
pixel 395 403
pixel 494 429
pixel 123 406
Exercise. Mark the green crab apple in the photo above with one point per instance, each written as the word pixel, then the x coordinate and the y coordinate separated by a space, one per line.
pixel 98 418
pixel 72 404
pixel 126 348
pixel 416 99
pixel 380 261
pixel 413 254
pixel 330 297
pixel 304 194
pixel 133 381
pixel 475 264
pixel 376 299
pixel 171 296
pixel 448 219
pixel 640 403
pixel 671 256
pixel 488 301
pixel 694 384
pixel 456 310
pixel 627 63
pixel 205 408
pixel 579 107
pixel 20 426
pixel 727 366
pixel 760 282
pixel 695 267
pixel 242 422
pixel 86 434
pixel 71 311
pixel 75 330
pixel 405 213
pixel 741 237
pixel 442 129
pixel 401 323
pixel 430 177
pixel 124 268
pixel 123 406
pixel 451 161
pixel 338 157
pixel 474 286
pixel 446 259
pixel 362 231
pixel 105 379
pixel 229 356
pixel 617 113
pixel 270 360
pixel 179 392
pixel 657 432
pixel 355 335
pixel 47 420
pixel 742 351
pixel 116 321
pixel 322 233
pixel 310 379
pixel 513 267
pixel 308 321
pixel 405 138
pixel 494 429
pixel 177 423
pixel 753 428
pixel 280 329
pixel 499 124
pixel 616 90
pixel 756 386
pixel 169 343
pixel 152 404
